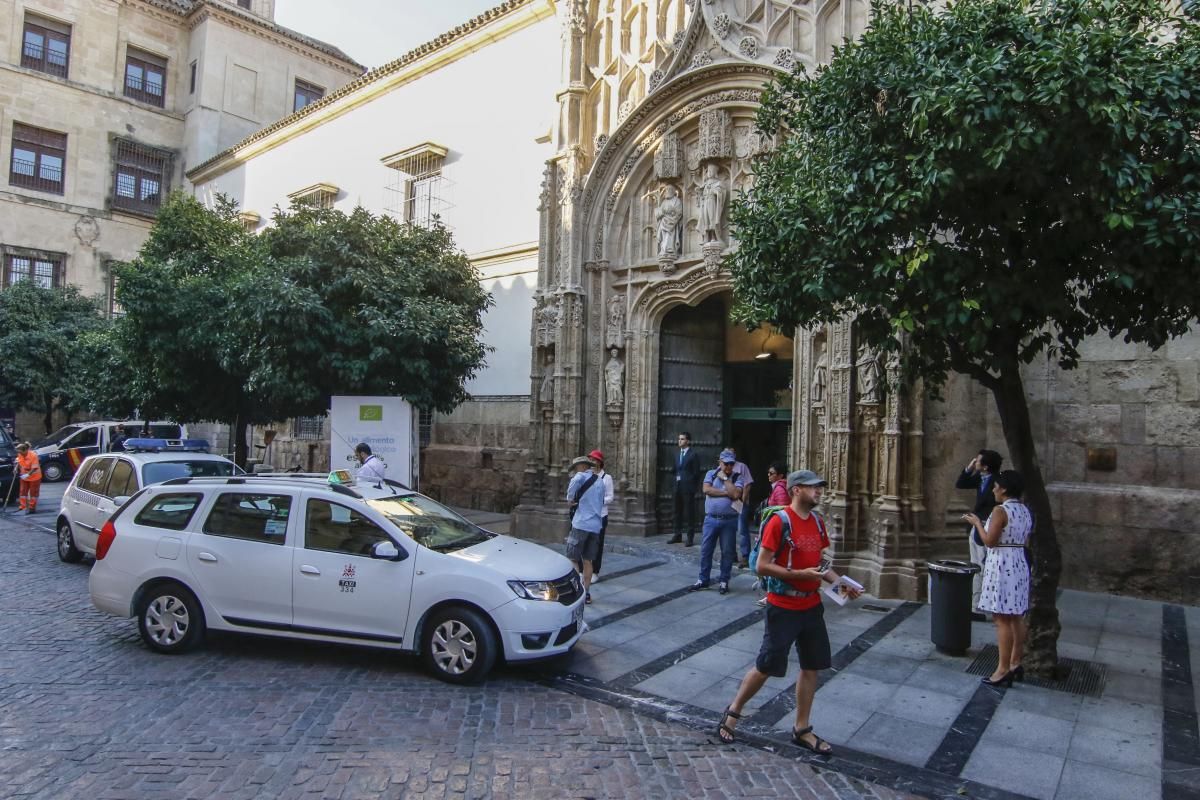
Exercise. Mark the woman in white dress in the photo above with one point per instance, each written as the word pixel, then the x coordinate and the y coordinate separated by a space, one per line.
pixel 1006 573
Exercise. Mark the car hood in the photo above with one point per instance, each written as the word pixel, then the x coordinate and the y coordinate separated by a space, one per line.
pixel 516 559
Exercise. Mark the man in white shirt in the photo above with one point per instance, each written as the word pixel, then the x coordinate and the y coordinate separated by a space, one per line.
pixel 371 468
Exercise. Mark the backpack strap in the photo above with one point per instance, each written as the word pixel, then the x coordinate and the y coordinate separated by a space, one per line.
pixel 786 522
pixel 583 489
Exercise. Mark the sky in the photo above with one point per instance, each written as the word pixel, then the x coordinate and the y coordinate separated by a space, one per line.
pixel 374 32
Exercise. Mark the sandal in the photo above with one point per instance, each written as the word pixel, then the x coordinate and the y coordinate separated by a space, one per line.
pixel 723 729
pixel 587 598
pixel 820 746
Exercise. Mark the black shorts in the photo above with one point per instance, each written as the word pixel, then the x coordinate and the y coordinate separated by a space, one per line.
pixel 582 545
pixel 805 629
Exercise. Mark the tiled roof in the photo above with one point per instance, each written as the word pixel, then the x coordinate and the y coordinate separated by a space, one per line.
pixel 376 74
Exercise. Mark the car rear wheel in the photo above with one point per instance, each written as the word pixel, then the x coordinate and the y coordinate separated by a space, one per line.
pixel 67 550
pixel 459 645
pixel 170 619
pixel 53 472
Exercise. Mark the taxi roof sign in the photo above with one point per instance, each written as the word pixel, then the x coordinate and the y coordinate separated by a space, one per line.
pixel 341 476
pixel 149 445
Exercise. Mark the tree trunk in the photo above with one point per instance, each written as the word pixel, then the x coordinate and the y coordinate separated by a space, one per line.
pixel 239 440
pixel 48 420
pixel 1041 656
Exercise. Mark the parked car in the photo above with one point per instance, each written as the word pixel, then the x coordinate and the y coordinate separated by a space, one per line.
pixel 8 454
pixel 90 438
pixel 104 482
pixel 357 564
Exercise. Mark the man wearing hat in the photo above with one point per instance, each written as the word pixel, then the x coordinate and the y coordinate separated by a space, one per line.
pixel 587 503
pixel 722 487
pixel 795 617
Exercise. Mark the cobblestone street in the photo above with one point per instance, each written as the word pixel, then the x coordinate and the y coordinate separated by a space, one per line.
pixel 86 711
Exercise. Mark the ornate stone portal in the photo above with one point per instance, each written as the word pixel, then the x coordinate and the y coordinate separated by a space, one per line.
pixel 634 223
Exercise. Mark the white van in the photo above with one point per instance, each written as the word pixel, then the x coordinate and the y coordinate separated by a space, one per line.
pixel 90 438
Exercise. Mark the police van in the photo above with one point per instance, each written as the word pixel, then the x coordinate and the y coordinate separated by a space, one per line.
pixel 88 439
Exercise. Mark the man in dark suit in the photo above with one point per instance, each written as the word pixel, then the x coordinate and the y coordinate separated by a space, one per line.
pixel 978 476
pixel 687 483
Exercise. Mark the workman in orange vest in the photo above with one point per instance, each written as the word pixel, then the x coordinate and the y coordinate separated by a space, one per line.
pixel 30 470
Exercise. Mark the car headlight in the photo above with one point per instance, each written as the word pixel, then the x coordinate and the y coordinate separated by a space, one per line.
pixel 534 590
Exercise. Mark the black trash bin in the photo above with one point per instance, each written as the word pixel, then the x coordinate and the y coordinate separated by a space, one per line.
pixel 950 599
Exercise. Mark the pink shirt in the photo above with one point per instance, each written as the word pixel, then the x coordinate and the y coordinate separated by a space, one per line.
pixel 779 495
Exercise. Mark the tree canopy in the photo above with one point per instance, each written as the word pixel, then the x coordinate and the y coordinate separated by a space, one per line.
pixel 981 185
pixel 40 330
pixel 221 324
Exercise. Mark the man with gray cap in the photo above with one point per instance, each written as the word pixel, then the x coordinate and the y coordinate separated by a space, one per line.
pixel 722 488
pixel 789 556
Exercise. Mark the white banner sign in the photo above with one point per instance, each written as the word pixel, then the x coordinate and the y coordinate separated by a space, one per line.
pixel 386 424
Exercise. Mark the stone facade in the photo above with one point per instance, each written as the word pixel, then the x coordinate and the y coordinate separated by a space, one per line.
pixel 634 218
pixel 246 68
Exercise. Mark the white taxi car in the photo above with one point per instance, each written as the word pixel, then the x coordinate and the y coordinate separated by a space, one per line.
pixel 103 482
pixel 304 557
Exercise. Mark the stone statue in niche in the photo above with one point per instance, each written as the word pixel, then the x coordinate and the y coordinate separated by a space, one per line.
pixel 820 379
pixel 614 377
pixel 546 393
pixel 869 374
pixel 614 335
pixel 669 219
pixel 547 323
pixel 712 204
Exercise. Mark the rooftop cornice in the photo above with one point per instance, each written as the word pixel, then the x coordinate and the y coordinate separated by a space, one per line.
pixel 369 85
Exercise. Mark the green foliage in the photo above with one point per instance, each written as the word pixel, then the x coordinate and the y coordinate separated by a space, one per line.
pixel 995 180
pixel 40 331
pixel 220 324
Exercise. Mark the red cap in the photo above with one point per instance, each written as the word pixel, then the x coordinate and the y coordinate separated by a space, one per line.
pixel 596 455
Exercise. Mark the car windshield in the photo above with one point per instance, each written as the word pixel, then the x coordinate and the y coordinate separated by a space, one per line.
pixel 59 435
pixel 429 523
pixel 160 471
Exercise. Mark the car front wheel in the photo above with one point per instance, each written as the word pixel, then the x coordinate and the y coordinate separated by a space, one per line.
pixel 459 645
pixel 169 619
pixel 67 550
pixel 53 472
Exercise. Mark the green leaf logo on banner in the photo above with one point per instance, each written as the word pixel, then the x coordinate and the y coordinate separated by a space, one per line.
pixel 370 413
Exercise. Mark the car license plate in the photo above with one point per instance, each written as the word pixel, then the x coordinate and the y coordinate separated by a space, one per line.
pixel 577 615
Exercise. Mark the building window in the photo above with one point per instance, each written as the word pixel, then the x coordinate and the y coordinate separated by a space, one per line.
pixel 321 195
pixel 420 192
pixel 47 46
pixel 44 269
pixel 244 4
pixel 141 178
pixel 424 427
pixel 306 93
pixel 192 78
pixel 308 427
pixel 37 158
pixel 146 77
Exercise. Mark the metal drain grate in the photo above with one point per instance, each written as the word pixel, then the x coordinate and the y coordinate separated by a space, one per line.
pixel 1082 677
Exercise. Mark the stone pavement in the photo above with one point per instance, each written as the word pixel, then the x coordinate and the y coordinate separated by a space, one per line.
pixel 902 713
pixel 86 711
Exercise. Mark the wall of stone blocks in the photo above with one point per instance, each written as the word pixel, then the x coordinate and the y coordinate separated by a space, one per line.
pixel 478 456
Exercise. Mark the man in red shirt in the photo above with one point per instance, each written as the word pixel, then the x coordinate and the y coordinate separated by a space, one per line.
pixel 795 616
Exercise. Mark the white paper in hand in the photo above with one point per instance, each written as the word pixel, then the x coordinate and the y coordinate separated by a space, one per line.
pixel 837 591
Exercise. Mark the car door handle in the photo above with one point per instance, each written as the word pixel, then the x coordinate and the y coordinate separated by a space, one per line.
pixel 206 557
pixel 309 570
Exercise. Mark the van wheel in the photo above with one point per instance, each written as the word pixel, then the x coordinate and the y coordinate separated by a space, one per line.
pixel 67 550
pixel 53 472
pixel 459 645
pixel 170 619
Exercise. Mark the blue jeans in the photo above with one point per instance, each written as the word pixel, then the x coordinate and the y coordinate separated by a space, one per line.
pixel 743 529
pixel 725 529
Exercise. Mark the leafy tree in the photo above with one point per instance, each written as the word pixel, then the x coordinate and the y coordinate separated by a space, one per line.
pixel 223 325
pixel 982 185
pixel 39 333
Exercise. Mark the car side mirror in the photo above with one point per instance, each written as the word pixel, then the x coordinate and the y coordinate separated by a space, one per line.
pixel 388 552
pixel 120 500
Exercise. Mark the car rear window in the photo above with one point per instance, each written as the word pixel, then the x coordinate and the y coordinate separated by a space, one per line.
pixel 162 471
pixel 171 511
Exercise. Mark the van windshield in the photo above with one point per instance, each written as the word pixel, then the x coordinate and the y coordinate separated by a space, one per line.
pixel 58 436
pixel 429 523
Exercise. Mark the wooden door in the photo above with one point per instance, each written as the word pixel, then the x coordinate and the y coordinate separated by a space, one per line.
pixel 690 394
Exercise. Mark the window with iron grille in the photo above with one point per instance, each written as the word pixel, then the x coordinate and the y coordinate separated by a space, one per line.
pixel 308 427
pixel 306 93
pixel 46 46
pixel 146 77
pixel 44 269
pixel 37 158
pixel 424 427
pixel 141 178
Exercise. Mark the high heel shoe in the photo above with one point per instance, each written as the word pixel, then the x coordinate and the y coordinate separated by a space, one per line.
pixel 1006 680
pixel 1018 673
